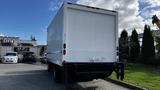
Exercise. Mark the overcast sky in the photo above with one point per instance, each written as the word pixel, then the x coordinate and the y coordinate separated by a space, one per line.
pixel 132 13
pixel 31 17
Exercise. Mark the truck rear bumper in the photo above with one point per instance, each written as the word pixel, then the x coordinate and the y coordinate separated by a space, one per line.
pixel 88 71
pixel 89 67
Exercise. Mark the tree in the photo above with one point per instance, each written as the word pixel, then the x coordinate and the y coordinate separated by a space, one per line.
pixel 134 46
pixel 148 49
pixel 123 46
pixel 157 39
pixel 158 44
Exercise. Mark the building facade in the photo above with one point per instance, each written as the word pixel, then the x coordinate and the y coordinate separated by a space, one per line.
pixel 15 44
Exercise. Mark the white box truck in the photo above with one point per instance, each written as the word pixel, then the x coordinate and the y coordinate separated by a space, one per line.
pixel 82 43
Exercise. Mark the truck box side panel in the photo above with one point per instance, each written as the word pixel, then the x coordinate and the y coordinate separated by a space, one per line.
pixel 90 36
pixel 55 39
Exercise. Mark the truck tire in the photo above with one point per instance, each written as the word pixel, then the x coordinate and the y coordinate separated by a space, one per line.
pixel 57 75
pixel 49 68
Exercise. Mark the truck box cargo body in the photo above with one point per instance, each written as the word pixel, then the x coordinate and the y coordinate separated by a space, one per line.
pixel 83 40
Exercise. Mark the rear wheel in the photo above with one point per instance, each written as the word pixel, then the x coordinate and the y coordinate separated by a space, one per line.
pixel 57 75
pixel 49 68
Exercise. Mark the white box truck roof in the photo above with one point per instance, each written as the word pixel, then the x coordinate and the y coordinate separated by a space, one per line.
pixel 90 35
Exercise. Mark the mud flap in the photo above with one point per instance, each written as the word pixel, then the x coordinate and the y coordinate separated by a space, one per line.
pixel 119 69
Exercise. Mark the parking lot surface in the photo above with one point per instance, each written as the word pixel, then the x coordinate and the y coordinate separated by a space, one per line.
pixel 35 77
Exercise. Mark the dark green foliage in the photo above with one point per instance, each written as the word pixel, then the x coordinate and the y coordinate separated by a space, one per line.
pixel 134 47
pixel 148 49
pixel 158 44
pixel 157 39
pixel 124 35
pixel 123 46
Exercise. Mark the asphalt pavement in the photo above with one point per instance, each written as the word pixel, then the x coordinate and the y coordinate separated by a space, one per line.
pixel 35 77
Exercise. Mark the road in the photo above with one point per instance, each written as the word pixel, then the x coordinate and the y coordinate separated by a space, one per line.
pixel 35 77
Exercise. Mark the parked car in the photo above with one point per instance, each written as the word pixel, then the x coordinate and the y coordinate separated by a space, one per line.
pixel 10 57
pixel 29 57
pixel 20 58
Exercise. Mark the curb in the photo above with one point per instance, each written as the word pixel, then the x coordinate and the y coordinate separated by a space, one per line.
pixel 127 85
